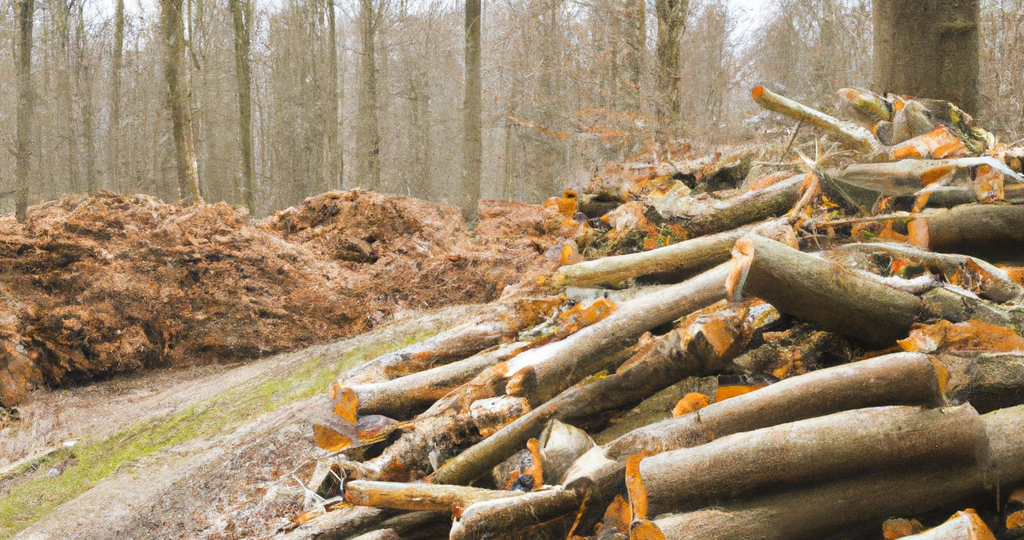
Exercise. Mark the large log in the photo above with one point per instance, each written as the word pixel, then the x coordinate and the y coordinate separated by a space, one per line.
pixel 825 293
pixel 816 511
pixel 812 450
pixel 895 379
pixel 978 229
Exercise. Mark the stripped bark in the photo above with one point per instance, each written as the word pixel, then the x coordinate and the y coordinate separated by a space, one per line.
pixel 806 451
pixel 819 510
pixel 825 294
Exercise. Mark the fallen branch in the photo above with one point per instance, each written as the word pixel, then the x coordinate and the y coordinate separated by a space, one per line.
pixel 819 510
pixel 460 342
pixel 995 284
pixel 706 214
pixel 812 450
pixel 849 133
pixel 418 391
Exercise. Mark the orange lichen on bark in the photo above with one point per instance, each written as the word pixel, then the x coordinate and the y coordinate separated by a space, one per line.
pixel 645 530
pixel 617 517
pixel 899 527
pixel 536 469
pixel 693 401
pixel 726 392
pixel 635 486
pixel 972 335
pixel 346 403
pixel 936 144
pixel 742 256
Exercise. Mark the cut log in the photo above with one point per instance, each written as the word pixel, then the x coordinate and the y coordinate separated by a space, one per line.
pixel 414 393
pixel 826 294
pixel 909 176
pixel 676 355
pixel 493 518
pixel 819 510
pixel 812 450
pixel 559 365
pixel 978 229
pixel 896 379
pixel 500 321
pixel 707 214
pixel 419 496
pixel 676 258
pixel 989 381
pixel 848 133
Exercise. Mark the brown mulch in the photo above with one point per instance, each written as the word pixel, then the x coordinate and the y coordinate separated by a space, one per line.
pixel 94 286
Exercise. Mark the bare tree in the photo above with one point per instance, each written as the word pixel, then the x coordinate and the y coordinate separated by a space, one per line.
pixel 335 157
pixel 369 132
pixel 177 98
pixel 25 12
pixel 241 17
pixel 115 98
pixel 928 48
pixel 671 25
pixel 472 124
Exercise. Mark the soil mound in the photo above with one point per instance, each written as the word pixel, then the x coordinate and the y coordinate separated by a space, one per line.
pixel 93 286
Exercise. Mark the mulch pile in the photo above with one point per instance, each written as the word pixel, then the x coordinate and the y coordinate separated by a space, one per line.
pixel 94 286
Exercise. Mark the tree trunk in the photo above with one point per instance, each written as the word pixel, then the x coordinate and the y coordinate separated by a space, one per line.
pixel 369 132
pixel 334 155
pixel 25 12
pixel 928 48
pixel 472 126
pixel 671 25
pixel 241 18
pixel 636 47
pixel 178 98
pixel 84 84
pixel 115 98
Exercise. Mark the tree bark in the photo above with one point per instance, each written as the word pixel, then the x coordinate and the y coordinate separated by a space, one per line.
pixel 472 126
pixel 491 519
pixel 807 451
pixel 241 16
pixel 827 294
pixel 116 63
pixel 335 156
pixel 927 48
pixel 25 10
pixel 985 230
pixel 178 98
pixel 369 130
pixel 419 496
pixel 671 25
pixel 817 511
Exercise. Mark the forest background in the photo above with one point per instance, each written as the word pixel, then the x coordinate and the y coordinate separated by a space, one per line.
pixel 370 93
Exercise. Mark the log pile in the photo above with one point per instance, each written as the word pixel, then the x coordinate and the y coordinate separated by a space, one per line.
pixel 829 348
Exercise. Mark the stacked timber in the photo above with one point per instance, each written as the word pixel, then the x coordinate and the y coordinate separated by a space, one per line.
pixel 832 347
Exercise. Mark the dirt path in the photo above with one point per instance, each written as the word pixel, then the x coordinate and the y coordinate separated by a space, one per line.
pixel 201 453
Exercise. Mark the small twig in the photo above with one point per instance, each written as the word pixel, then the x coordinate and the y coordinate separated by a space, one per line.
pixel 792 137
